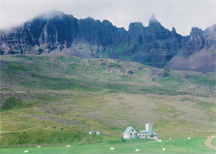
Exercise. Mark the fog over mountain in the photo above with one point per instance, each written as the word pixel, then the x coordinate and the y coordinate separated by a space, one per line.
pixel 154 45
pixel 181 14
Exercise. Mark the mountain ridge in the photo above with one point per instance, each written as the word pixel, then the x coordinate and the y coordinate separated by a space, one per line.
pixel 154 45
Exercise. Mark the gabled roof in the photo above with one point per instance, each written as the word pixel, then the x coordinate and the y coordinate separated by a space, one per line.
pixel 128 129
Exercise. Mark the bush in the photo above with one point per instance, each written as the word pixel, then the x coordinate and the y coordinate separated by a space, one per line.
pixel 12 102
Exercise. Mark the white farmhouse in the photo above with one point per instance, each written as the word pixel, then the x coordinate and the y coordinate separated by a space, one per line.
pixel 130 132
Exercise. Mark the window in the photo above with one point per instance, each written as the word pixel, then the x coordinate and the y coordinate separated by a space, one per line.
pixel 130 134
pixel 132 130
pixel 135 133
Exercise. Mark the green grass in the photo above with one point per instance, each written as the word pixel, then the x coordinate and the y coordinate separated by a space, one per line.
pixel 12 102
pixel 182 145
pixel 203 79
pixel 81 94
pixel 214 142
pixel 49 136
pixel 63 72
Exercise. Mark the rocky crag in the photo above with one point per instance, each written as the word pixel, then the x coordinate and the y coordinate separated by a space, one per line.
pixel 154 45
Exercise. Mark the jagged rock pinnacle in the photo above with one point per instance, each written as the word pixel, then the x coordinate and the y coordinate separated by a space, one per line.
pixel 173 30
pixel 153 19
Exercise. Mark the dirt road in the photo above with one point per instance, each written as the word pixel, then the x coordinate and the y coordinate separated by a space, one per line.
pixel 208 143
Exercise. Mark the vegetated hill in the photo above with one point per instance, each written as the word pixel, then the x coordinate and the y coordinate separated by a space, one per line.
pixel 154 45
pixel 77 95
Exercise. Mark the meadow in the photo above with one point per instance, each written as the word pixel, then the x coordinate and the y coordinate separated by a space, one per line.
pixel 179 146
pixel 57 100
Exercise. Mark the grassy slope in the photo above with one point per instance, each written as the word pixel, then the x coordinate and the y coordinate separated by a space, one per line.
pixel 80 94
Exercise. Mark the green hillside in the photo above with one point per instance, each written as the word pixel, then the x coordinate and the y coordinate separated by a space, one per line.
pixel 59 99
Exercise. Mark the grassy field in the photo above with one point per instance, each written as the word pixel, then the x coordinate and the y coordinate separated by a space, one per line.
pixel 59 99
pixel 181 145
pixel 214 142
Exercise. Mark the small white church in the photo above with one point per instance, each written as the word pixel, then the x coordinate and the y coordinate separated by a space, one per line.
pixel 148 133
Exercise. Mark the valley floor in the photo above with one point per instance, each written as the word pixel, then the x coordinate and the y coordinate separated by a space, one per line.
pixel 172 146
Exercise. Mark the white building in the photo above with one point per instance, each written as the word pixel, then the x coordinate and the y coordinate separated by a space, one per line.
pixel 95 132
pixel 130 132
pixel 148 127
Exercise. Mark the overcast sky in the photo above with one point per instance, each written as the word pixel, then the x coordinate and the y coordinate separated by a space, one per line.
pixel 181 14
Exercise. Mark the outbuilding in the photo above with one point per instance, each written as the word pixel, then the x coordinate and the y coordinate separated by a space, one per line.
pixel 95 132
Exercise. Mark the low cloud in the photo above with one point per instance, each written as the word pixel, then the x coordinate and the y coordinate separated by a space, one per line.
pixel 181 14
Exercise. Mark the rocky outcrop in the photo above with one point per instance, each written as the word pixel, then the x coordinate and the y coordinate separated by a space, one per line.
pixel 198 52
pixel 57 32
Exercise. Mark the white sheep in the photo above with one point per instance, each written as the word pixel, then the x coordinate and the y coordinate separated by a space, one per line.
pixel 137 150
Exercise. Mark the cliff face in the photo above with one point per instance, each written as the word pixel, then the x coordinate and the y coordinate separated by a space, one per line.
pixel 60 33
pixel 198 52
pixel 153 45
